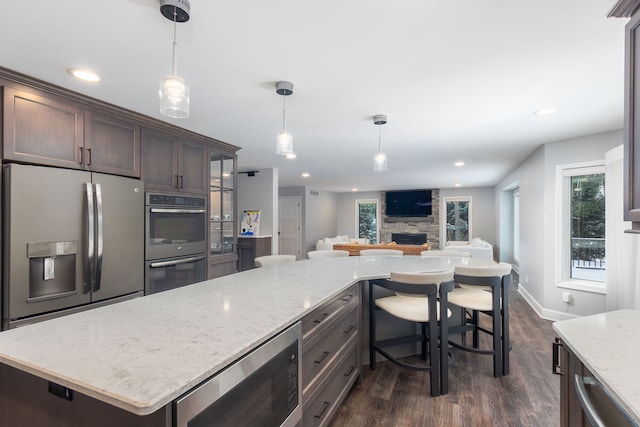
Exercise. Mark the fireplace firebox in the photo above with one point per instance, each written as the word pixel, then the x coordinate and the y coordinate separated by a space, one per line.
pixel 409 238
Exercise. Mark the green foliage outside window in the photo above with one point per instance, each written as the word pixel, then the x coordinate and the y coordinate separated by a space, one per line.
pixel 367 221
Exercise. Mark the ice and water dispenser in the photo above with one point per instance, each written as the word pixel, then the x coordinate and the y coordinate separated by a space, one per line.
pixel 52 269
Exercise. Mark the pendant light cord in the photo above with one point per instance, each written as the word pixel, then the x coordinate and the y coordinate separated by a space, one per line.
pixel 284 109
pixel 174 64
pixel 380 139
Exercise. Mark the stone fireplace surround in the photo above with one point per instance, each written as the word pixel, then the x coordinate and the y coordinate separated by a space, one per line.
pixel 429 225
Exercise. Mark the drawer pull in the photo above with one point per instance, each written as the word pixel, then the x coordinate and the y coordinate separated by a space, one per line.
pixel 349 329
pixel 351 369
pixel 324 356
pixel 325 406
pixel 324 316
pixel 347 298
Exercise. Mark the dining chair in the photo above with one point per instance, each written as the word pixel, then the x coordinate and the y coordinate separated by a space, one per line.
pixel 380 252
pixel 484 289
pixel 265 260
pixel 327 253
pixel 420 298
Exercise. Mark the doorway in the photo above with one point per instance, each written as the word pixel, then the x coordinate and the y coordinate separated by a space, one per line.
pixel 290 225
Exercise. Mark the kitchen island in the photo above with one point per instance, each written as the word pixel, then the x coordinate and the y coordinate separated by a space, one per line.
pixel 606 347
pixel 141 355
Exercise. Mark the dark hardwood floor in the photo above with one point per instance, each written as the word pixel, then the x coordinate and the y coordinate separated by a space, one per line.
pixel 528 396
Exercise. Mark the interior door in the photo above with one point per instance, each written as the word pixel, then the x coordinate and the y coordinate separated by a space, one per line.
pixel 289 226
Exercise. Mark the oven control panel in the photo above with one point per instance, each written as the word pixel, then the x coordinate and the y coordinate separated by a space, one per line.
pixel 174 200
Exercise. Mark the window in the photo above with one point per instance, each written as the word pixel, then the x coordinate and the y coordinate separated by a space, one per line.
pixel 516 226
pixel 367 220
pixel 458 216
pixel 583 231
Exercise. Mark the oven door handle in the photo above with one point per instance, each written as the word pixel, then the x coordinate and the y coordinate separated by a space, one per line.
pixel 176 262
pixel 178 211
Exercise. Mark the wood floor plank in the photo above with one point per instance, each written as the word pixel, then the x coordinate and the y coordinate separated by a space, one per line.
pixel 528 397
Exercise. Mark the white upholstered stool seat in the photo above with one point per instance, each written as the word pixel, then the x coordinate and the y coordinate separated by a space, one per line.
pixel 265 260
pixel 420 298
pixel 380 252
pixel 473 299
pixel 327 253
pixel 452 254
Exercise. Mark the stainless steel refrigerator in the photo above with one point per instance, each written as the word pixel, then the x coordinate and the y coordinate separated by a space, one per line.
pixel 72 240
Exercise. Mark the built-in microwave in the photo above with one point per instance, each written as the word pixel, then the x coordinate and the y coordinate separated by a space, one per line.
pixel 175 226
pixel 261 389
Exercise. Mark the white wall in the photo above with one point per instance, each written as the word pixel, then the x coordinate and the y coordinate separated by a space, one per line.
pixel 346 211
pixel 539 208
pixel 482 211
pixel 261 192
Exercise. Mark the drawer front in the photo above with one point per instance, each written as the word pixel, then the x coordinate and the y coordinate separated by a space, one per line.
pixel 322 317
pixel 319 410
pixel 319 357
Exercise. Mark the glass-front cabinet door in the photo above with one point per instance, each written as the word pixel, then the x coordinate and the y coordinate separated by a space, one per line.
pixel 222 204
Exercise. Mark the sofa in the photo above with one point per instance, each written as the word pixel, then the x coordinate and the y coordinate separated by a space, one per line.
pixel 476 247
pixel 327 242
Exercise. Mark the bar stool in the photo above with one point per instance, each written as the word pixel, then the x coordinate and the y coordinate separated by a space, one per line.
pixel 380 252
pixel 452 254
pixel 327 253
pixel 265 260
pixel 419 298
pixel 484 289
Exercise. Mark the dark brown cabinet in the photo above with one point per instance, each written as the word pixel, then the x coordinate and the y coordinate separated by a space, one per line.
pixel 249 248
pixel 42 128
pixel 111 144
pixel 47 129
pixel 173 163
pixel 632 122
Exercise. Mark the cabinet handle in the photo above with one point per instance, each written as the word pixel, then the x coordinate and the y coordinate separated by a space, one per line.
pixel 347 298
pixel 81 155
pixel 349 329
pixel 320 320
pixel 556 358
pixel 88 156
pixel 324 356
pixel 181 181
pixel 175 181
pixel 325 406
pixel 351 369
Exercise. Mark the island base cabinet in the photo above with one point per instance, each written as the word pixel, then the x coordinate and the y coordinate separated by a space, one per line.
pixel 25 400
pixel 324 403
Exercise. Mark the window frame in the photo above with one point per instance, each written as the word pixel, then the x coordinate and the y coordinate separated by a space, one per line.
pixel 357 217
pixel 563 227
pixel 443 215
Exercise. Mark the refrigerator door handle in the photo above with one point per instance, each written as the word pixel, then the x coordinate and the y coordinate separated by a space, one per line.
pixel 100 237
pixel 90 236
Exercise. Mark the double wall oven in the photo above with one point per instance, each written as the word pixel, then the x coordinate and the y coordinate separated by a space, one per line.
pixel 175 241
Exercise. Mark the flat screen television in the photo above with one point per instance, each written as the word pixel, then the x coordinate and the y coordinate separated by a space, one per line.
pixel 408 203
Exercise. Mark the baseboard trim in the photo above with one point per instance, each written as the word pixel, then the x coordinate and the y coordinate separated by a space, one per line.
pixel 541 311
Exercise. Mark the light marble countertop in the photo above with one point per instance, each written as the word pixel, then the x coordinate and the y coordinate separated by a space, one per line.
pixel 608 344
pixel 141 354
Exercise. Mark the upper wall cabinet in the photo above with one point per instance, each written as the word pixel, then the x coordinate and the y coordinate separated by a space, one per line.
pixel 632 124
pixel 46 129
pixel 171 163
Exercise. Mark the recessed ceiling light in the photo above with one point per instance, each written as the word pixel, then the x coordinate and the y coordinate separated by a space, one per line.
pixel 290 156
pixel 545 111
pixel 354 189
pixel 305 175
pixel 86 75
pixel 458 185
pixel 458 164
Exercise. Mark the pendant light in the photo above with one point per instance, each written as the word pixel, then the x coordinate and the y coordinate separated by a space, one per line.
pixel 380 159
pixel 174 90
pixel 285 140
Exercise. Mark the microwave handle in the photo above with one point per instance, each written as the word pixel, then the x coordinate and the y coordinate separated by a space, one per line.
pixel 178 211
pixel 176 262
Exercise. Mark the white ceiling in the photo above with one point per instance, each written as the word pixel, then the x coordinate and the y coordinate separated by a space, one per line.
pixel 458 80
